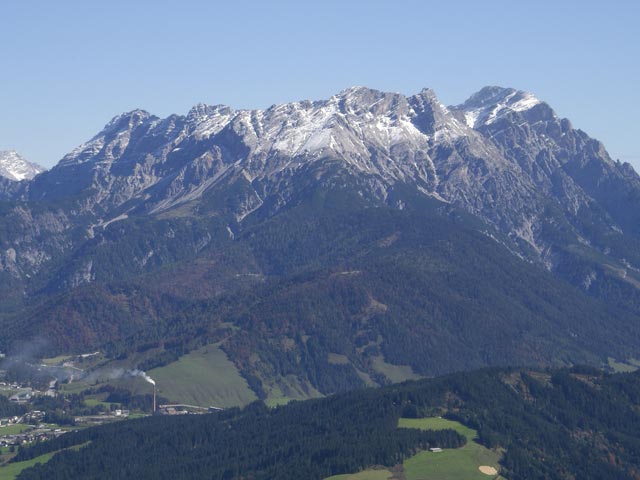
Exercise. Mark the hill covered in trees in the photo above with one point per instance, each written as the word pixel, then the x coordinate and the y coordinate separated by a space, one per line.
pixel 326 295
pixel 558 424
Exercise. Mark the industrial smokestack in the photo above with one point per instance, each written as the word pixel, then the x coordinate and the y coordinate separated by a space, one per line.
pixel 140 373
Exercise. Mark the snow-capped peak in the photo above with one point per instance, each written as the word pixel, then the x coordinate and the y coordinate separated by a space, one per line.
pixel 15 167
pixel 491 103
pixel 348 125
pixel 208 120
pixel 128 119
pixel 370 130
pixel 119 127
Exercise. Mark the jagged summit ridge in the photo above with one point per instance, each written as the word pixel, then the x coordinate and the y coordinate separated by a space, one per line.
pixel 370 131
pixel 491 103
pixel 111 140
pixel 501 155
pixel 522 177
pixel 292 129
pixel 15 167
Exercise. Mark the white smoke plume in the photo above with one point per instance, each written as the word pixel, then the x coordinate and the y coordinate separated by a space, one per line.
pixel 106 374
pixel 140 373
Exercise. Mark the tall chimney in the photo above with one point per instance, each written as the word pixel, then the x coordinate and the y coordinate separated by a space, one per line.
pixel 154 399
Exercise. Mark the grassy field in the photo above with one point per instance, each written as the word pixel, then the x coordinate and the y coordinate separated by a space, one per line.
pixel 382 474
pixel 450 464
pixel 623 367
pixel 275 396
pixel 14 429
pixel 287 389
pixel 437 423
pixel 92 401
pixel 204 377
pixel 56 360
pixel 395 373
pixel 12 470
pixel 10 392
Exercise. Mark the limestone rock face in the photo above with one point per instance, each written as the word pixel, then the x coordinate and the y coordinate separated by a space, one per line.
pixel 552 192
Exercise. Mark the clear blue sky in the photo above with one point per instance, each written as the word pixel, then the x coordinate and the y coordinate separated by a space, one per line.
pixel 67 67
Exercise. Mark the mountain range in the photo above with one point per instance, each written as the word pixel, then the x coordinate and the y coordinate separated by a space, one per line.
pixel 330 244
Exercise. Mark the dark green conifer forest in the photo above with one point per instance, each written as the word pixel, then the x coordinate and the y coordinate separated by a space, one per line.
pixel 558 424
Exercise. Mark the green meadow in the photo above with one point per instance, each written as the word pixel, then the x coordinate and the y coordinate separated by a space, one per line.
pixel 382 474
pixel 14 429
pixel 12 470
pixel 450 464
pixel 204 377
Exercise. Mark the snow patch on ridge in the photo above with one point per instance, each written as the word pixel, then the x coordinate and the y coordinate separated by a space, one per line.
pixel 15 167
pixel 209 120
pixel 527 102
pixel 487 106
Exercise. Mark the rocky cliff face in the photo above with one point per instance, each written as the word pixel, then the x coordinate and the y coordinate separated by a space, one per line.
pixel 546 191
pixel 503 155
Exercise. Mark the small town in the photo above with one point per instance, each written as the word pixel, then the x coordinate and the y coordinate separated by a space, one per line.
pixel 38 424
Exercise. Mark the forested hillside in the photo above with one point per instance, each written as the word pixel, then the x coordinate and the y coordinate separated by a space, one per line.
pixel 557 424
pixel 333 291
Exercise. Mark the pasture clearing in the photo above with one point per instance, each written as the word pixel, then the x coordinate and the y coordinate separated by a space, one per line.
pixel 452 463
